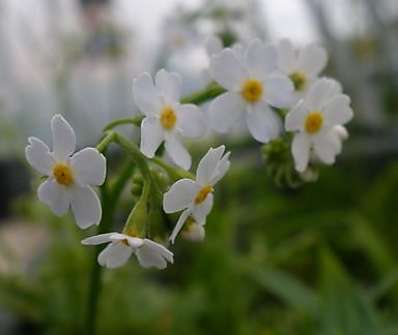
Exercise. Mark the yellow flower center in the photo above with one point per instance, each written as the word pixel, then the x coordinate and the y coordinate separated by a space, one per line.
pixel 313 122
pixel 299 80
pixel 203 193
pixel 168 118
pixel 252 90
pixel 63 174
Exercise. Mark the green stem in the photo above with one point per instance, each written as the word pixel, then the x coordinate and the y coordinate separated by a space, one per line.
pixel 135 120
pixel 174 173
pixel 106 140
pixel 96 272
pixel 211 91
pixel 109 199
pixel 140 160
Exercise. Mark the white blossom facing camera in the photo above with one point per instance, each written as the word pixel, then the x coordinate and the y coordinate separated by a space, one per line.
pixel 253 86
pixel 316 121
pixel 165 118
pixel 70 176
pixel 301 65
pixel 122 246
pixel 195 197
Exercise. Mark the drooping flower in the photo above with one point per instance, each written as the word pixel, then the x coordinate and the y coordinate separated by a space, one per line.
pixel 122 246
pixel 193 231
pixel 195 197
pixel 69 176
pixel 301 65
pixel 253 86
pixel 165 118
pixel 316 121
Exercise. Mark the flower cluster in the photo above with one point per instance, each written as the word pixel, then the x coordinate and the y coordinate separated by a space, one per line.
pixel 274 89
pixel 262 79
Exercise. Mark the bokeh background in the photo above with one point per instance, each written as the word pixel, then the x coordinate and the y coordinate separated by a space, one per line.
pixel 319 259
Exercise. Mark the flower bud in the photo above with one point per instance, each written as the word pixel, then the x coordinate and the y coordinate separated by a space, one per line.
pixel 193 231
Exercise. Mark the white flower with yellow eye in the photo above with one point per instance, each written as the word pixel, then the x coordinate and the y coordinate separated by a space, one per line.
pixel 165 118
pixel 301 65
pixel 252 87
pixel 70 176
pixel 316 121
pixel 195 197
pixel 122 246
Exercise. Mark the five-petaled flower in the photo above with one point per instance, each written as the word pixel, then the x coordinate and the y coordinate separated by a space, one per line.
pixel 302 66
pixel 253 86
pixel 195 197
pixel 69 175
pixel 314 121
pixel 165 118
pixel 122 246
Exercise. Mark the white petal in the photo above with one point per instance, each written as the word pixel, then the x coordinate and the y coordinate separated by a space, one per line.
pixel 89 167
pixel 338 111
pixel 180 195
pixel 177 152
pixel 169 83
pixel 301 151
pixel 201 211
pixel 115 255
pixel 225 111
pixel 64 138
pixel 146 95
pixel 286 56
pixel 54 196
pixel 263 123
pixel 341 132
pixel 152 254
pixel 239 51
pixel 191 121
pixel 151 136
pixel 278 91
pixel 208 165
pixel 296 117
pixel 180 223
pixel 260 59
pixel 320 93
pixel 227 70
pixel 86 206
pixel 222 169
pixel 213 45
pixel 38 155
pixel 326 148
pixel 312 59
pixel 102 238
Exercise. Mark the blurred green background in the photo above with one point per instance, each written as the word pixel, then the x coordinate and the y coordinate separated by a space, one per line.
pixel 319 259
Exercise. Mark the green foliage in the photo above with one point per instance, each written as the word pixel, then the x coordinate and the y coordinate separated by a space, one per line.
pixel 321 259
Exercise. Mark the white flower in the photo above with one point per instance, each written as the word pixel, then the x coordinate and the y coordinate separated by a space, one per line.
pixel 193 231
pixel 252 87
pixel 314 120
pixel 69 175
pixel 213 45
pixel 195 197
pixel 302 66
pixel 166 119
pixel 122 246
